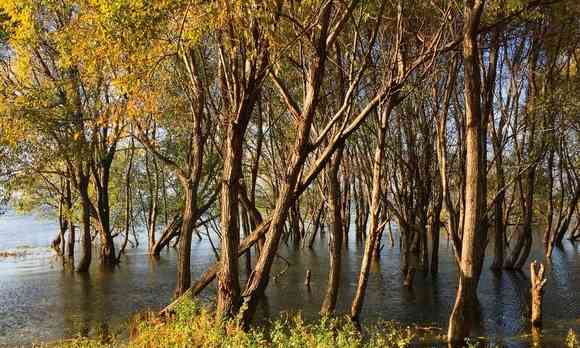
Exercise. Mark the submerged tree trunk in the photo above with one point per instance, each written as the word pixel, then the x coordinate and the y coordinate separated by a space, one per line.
pixel 521 250
pixel 184 253
pixel 170 231
pixel 434 232
pixel 550 213
pixel 558 235
pixel 372 237
pixel 153 209
pixel 86 244
pixel 317 225
pixel 128 201
pixel 499 226
pixel 70 248
pixel 59 242
pixel 108 254
pixel 336 236
pixel 538 281
pixel 473 243
pixel 258 280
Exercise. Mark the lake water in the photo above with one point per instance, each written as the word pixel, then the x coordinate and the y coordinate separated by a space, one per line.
pixel 40 300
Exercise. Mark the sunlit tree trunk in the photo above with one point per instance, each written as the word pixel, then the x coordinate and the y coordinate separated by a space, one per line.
pixel 170 231
pixel 228 299
pixel 245 95
pixel 473 243
pixel 258 280
pixel 372 236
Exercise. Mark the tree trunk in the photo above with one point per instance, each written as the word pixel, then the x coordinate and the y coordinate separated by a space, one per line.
pixel 452 220
pixel 424 248
pixel 336 235
pixel 58 243
pixel 71 234
pixel 522 248
pixel 538 281
pixel 184 253
pixel 434 232
pixel 153 210
pixel 410 254
pixel 317 225
pixel 371 240
pixel 86 246
pixel 499 226
pixel 128 204
pixel 559 235
pixel 259 279
pixel 228 297
pixel 473 243
pixel 170 231
pixel 245 222
pixel 108 255
pixel 550 213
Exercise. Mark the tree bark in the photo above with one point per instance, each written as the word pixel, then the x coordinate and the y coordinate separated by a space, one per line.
pixel 558 236
pixel 499 226
pixel 153 198
pixel 228 298
pixel 317 225
pixel 108 255
pixel 372 236
pixel 184 253
pixel 70 249
pixel 521 250
pixel 473 243
pixel 336 236
pixel 434 232
pixel 128 204
pixel 86 244
pixel 538 281
pixel 550 213
pixel 59 242
pixel 259 279
pixel 170 231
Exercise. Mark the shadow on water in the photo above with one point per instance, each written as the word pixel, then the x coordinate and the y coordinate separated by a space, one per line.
pixel 42 301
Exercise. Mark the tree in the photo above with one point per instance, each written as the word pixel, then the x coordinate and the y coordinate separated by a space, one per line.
pixel 473 242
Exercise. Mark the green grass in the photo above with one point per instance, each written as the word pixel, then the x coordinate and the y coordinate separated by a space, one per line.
pixel 194 325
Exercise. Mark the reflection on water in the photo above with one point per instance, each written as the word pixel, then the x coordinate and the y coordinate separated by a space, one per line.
pixel 40 300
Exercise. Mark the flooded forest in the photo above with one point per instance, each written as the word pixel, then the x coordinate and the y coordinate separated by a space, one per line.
pixel 323 173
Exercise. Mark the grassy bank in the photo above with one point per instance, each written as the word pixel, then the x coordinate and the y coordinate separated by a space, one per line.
pixel 194 325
